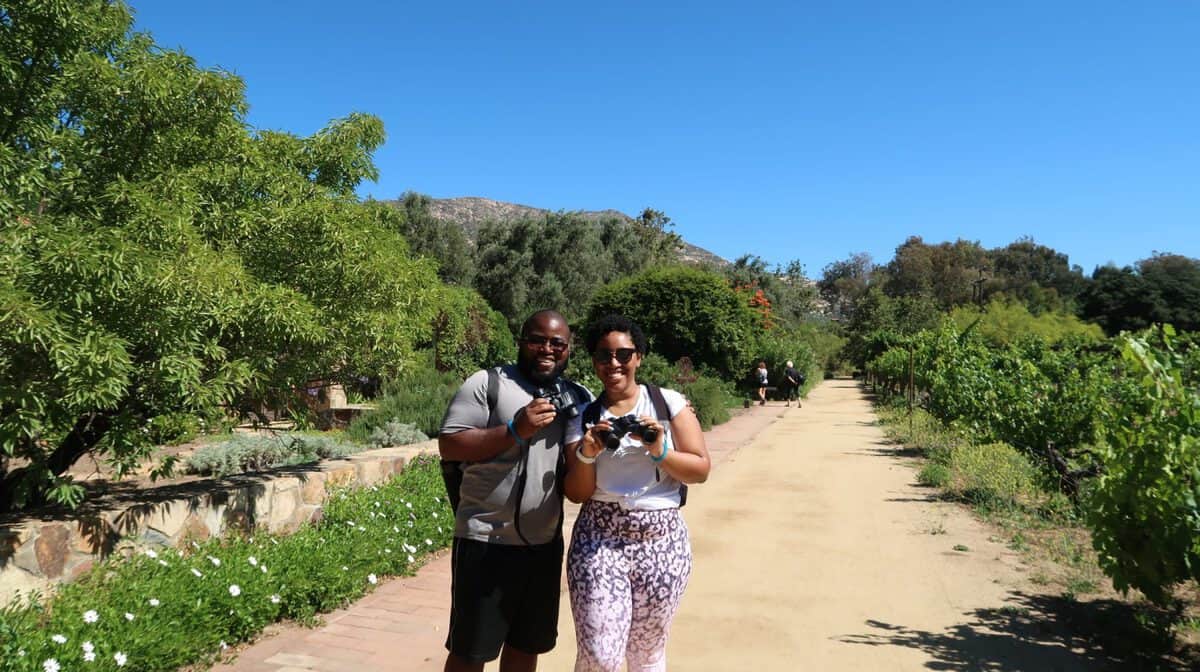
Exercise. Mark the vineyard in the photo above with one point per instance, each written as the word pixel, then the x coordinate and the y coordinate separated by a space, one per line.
pixel 1110 424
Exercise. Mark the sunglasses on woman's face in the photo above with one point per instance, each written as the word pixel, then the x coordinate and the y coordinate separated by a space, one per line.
pixel 604 356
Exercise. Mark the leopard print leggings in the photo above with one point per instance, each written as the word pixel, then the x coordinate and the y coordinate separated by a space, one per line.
pixel 626 571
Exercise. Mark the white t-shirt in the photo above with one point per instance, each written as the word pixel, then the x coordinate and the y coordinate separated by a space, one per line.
pixel 627 475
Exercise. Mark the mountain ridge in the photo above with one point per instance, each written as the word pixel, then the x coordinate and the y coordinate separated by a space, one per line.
pixel 471 212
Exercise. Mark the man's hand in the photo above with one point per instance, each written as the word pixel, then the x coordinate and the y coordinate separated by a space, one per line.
pixel 536 415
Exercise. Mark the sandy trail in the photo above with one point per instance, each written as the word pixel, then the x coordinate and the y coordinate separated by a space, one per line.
pixel 816 550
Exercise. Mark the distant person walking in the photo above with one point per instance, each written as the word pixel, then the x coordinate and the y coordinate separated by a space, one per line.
pixel 761 374
pixel 793 380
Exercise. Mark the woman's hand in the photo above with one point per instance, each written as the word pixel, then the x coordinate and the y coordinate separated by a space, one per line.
pixel 593 439
pixel 655 447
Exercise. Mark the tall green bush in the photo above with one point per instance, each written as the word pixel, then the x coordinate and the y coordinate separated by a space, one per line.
pixel 1145 507
pixel 419 397
pixel 686 312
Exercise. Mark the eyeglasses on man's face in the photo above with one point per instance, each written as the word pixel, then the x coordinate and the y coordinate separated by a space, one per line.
pixel 604 355
pixel 553 342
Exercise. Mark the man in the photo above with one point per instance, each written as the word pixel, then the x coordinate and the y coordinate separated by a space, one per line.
pixel 792 380
pixel 508 546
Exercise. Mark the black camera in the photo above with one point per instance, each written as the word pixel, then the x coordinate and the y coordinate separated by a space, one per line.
pixel 561 395
pixel 625 425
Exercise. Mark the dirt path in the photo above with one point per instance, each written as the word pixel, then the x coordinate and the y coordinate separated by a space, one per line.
pixel 815 550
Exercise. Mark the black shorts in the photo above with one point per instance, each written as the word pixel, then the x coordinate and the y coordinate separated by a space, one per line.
pixel 503 595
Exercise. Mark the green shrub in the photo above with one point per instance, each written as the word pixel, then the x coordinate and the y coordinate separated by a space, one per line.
pixel 256 452
pixel 396 433
pixel 710 400
pixel 686 312
pixel 173 428
pixel 993 476
pixel 934 474
pixel 186 605
pixel 418 398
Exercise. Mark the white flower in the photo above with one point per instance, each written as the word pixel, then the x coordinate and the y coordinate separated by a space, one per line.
pixel 88 648
pixel 371 579
pixel 428 542
pixel 411 558
pixel 128 616
pixel 196 572
pixel 90 616
pixel 435 514
pixel 439 529
pixel 154 602
pixel 408 504
pixel 151 553
pixel 20 653
pixel 163 563
pixel 59 639
pixel 387 550
pixel 89 657
pixel 377 505
pixel 345 568
pixel 50 665
pixel 275 599
pixel 263 568
pixel 234 590
pixel 351 523
pixel 361 528
pixel 253 561
pixel 216 561
pixel 120 658
pixel 224 645
pixel 396 529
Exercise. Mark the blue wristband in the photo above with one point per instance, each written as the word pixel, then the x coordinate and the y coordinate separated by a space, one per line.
pixel 513 430
pixel 666 449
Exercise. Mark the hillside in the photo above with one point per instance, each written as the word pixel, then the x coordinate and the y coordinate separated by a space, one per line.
pixel 471 212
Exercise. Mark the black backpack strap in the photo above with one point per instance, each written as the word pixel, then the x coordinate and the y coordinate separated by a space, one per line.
pixel 663 413
pixel 452 469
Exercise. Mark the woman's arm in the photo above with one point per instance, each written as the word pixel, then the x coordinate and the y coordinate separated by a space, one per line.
pixel 687 458
pixel 580 482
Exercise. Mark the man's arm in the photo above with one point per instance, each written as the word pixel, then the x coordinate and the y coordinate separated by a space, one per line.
pixel 480 444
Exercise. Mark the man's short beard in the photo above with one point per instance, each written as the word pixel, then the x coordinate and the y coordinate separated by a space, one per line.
pixel 528 367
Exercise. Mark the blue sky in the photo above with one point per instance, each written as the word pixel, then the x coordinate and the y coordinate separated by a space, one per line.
pixel 789 130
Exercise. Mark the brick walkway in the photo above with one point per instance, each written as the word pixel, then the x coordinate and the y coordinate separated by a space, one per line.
pixel 401 626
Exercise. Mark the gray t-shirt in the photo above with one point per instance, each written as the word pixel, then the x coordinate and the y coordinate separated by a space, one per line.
pixel 489 488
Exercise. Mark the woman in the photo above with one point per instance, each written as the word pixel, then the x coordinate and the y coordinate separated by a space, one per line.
pixel 761 374
pixel 630 557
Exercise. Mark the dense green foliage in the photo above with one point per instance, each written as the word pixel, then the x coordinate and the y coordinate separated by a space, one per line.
pixel 468 335
pixel 686 312
pixel 1162 289
pixel 418 397
pixel 1144 508
pixel 1002 322
pixel 444 242
pixel 560 261
pixel 161 258
pixel 185 607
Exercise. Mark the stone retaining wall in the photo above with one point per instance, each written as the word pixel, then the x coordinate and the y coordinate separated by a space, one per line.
pixel 38 552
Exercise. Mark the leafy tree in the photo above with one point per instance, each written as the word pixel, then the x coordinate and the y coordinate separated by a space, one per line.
pixel 445 242
pixel 844 282
pixel 788 292
pixel 1174 281
pixel 949 273
pixel 1039 276
pixel 686 312
pixel 468 335
pixel 160 258
pixel 658 243
pixel 1119 299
